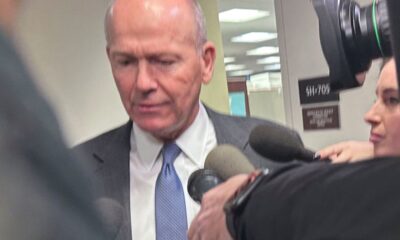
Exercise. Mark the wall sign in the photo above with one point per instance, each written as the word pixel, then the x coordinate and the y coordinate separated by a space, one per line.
pixel 316 90
pixel 321 118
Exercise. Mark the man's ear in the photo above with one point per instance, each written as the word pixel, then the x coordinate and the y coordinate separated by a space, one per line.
pixel 208 61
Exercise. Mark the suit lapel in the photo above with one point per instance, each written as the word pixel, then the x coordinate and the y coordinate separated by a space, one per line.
pixel 225 131
pixel 113 157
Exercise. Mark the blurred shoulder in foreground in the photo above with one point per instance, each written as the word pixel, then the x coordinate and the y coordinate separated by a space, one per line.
pixel 44 190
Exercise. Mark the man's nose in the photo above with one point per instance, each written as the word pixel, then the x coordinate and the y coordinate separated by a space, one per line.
pixel 145 81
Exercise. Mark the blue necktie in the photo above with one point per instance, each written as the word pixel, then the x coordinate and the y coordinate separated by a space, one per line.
pixel 171 221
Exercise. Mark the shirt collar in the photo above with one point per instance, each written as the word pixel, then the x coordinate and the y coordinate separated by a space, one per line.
pixel 193 141
pixel 148 147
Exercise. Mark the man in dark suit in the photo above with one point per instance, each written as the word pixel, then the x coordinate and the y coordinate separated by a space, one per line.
pixel 160 57
pixel 43 190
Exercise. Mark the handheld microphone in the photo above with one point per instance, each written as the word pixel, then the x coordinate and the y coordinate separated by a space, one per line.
pixel 278 144
pixel 223 162
pixel 227 161
pixel 200 181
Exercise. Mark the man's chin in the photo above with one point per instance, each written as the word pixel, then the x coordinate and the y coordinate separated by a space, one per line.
pixel 151 128
pixel 158 130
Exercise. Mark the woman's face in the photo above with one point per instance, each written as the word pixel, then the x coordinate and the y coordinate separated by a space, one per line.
pixel 384 115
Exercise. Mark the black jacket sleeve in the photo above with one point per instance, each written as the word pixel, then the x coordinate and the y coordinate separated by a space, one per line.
pixel 326 201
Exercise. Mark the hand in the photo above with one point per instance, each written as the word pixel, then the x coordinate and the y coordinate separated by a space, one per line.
pixel 210 222
pixel 348 151
pixel 360 77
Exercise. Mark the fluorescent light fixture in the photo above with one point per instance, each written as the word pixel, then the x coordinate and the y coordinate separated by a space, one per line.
pixel 237 15
pixel 234 67
pixel 263 51
pixel 229 59
pixel 254 37
pixel 269 60
pixel 240 73
pixel 273 67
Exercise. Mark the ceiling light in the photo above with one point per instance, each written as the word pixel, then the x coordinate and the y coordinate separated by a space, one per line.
pixel 229 59
pixel 263 51
pixel 233 67
pixel 269 60
pixel 240 73
pixel 241 15
pixel 254 37
pixel 273 67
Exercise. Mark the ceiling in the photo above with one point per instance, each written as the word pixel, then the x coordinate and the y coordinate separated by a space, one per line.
pixel 229 30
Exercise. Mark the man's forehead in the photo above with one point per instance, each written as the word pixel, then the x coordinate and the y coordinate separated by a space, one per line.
pixel 163 8
pixel 155 17
pixel 152 12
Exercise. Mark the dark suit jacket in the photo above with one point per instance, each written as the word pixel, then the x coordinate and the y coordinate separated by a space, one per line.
pixel 109 154
pixel 44 194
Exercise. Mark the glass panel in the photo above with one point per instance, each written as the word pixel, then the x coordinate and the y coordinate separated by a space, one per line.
pixel 251 51
pixel 237 103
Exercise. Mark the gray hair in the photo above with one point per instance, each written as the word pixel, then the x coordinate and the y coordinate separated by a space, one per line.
pixel 201 30
pixel 107 20
pixel 200 21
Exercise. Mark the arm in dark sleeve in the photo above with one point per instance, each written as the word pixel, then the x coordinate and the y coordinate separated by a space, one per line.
pixel 323 201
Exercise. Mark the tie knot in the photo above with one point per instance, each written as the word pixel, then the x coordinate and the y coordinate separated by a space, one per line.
pixel 170 152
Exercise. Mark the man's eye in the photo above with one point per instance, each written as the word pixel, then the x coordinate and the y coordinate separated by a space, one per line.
pixel 163 62
pixel 123 62
pixel 166 62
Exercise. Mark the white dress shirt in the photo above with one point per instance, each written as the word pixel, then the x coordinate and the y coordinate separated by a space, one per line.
pixel 145 165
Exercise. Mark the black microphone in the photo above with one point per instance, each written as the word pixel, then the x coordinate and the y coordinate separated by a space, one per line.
pixel 279 144
pixel 200 181
pixel 111 214
pixel 222 162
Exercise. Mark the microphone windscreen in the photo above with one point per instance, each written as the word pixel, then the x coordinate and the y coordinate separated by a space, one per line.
pixel 279 144
pixel 228 161
pixel 112 214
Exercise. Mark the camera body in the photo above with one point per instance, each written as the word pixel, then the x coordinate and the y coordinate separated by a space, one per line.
pixel 352 36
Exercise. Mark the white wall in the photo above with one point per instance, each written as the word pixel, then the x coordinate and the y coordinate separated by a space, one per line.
pixel 302 57
pixel 64 44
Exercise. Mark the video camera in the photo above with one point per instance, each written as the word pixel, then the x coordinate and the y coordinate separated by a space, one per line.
pixel 352 36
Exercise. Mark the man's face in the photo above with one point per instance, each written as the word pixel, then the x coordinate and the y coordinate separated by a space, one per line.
pixel 156 66
pixel 384 115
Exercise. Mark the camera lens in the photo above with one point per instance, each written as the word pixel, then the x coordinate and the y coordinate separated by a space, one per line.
pixel 351 37
pixel 365 33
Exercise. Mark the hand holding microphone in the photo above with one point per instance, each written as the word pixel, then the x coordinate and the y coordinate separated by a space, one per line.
pixel 221 163
pixel 281 146
pixel 273 142
pixel 224 161
pixel 210 222
pixel 348 151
